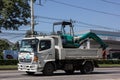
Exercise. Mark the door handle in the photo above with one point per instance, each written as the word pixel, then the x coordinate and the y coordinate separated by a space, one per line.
pixel 49 53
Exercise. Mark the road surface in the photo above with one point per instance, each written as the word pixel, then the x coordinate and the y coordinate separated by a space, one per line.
pixel 98 74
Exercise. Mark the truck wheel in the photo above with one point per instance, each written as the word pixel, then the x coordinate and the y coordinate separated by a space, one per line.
pixel 48 69
pixel 87 68
pixel 30 73
pixel 69 71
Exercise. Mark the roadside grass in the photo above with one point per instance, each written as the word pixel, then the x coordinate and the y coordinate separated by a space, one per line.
pixel 109 65
pixel 8 67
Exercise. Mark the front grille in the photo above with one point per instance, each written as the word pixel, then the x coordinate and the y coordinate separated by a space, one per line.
pixel 25 57
pixel 25 60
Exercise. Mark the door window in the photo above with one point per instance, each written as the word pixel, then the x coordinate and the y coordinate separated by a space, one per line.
pixel 44 45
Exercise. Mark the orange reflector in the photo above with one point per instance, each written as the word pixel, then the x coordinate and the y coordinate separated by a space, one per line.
pixel 35 58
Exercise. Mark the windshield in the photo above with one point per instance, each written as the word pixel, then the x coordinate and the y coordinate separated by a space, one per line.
pixel 29 45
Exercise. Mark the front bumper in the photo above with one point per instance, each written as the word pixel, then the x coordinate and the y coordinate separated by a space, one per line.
pixel 28 67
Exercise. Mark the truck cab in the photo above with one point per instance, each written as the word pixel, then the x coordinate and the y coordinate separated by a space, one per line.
pixel 35 52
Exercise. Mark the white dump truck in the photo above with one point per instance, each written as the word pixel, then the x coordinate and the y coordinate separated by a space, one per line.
pixel 47 54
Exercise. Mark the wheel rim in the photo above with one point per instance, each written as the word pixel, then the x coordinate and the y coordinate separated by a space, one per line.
pixel 88 68
pixel 48 70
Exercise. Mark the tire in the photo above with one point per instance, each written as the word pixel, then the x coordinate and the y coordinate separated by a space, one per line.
pixel 30 73
pixel 69 71
pixel 87 68
pixel 48 69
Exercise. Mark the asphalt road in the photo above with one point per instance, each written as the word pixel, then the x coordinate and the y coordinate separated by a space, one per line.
pixel 98 74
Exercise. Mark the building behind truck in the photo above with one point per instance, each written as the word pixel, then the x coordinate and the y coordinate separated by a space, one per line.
pixel 109 37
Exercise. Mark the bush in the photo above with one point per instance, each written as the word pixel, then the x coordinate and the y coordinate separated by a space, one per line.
pixel 1 56
pixel 8 62
pixel 108 61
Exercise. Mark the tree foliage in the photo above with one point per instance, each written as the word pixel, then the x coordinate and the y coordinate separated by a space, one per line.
pixel 14 13
pixel 3 46
pixel 16 46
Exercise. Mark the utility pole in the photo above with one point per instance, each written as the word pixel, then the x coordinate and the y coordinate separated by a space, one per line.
pixel 32 17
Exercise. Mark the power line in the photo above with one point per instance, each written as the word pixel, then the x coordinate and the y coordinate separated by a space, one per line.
pixel 88 25
pixel 13 38
pixel 75 21
pixel 57 19
pixel 50 18
pixel 111 2
pixel 75 24
pixel 45 22
pixel 88 9
pixel 9 33
pixel 99 26
pixel 40 2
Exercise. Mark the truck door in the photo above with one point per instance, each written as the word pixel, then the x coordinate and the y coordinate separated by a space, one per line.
pixel 46 50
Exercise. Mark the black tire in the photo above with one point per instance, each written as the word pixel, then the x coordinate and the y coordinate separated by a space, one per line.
pixel 30 73
pixel 48 69
pixel 69 71
pixel 87 68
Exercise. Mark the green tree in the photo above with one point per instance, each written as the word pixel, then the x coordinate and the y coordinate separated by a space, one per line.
pixel 3 45
pixel 14 13
pixel 16 46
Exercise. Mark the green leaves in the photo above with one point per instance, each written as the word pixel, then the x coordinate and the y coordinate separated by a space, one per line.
pixel 14 13
pixel 3 45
